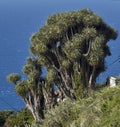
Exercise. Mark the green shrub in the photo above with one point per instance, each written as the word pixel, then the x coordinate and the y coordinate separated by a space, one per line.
pixel 3 116
pixel 19 119
pixel 102 109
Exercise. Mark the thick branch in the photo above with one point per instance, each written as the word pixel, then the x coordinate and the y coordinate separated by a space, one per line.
pixel 86 54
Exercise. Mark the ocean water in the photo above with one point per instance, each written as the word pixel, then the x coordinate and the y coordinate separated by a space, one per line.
pixel 20 19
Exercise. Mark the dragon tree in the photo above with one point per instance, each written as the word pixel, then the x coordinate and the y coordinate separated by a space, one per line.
pixel 73 45
pixel 31 89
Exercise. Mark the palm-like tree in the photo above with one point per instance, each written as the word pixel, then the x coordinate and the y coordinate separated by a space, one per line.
pixel 31 89
pixel 76 39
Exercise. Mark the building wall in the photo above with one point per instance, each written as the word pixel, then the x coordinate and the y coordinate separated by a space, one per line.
pixel 112 81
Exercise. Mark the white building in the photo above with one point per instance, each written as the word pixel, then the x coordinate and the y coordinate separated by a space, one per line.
pixel 113 80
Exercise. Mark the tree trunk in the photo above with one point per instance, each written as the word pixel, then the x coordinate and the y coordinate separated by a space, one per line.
pixel 67 84
pixel 36 111
pixel 91 79
pixel 35 104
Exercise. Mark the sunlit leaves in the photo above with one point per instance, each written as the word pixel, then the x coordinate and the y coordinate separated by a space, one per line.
pixel 42 60
pixel 33 75
pixel 70 19
pixel 65 63
pixel 50 31
pixel 73 49
pixel 32 85
pixel 41 48
pixel 89 33
pixel 92 20
pixel 95 58
pixel 27 68
pixel 13 78
pixel 51 75
pixel 98 43
pixel 22 88
pixel 97 52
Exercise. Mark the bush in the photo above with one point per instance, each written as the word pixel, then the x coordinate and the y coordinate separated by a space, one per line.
pixel 19 119
pixel 101 109
pixel 3 116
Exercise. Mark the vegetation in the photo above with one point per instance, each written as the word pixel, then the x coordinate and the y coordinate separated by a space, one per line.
pixel 3 116
pixel 19 119
pixel 102 109
pixel 72 46
pixel 31 90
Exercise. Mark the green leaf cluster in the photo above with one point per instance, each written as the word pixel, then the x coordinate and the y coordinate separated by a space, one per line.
pixel 13 78
pixel 19 119
pixel 4 115
pixel 22 88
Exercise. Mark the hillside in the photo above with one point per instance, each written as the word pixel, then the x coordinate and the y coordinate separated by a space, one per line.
pixel 101 109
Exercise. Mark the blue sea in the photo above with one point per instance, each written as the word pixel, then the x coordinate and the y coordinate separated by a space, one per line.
pixel 19 19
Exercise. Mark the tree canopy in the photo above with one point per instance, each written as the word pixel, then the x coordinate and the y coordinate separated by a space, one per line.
pixel 73 44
